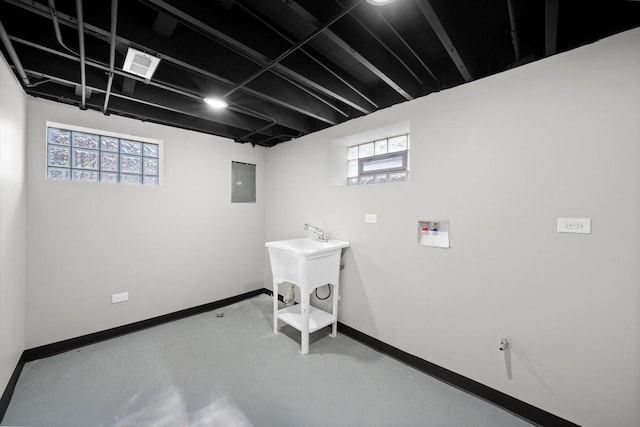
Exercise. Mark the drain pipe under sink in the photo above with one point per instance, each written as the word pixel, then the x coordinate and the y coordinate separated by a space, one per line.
pixel 290 298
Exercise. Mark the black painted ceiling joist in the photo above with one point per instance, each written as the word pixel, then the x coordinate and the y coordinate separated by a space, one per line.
pixel 188 55
pixel 403 41
pixel 340 75
pixel 63 91
pixel 551 26
pixel 112 53
pixel 285 75
pixel 386 46
pixel 311 79
pixel 268 90
pixel 42 65
pixel 274 62
pixel 431 16
pixel 164 25
pixel 379 69
pixel 13 55
pixel 128 107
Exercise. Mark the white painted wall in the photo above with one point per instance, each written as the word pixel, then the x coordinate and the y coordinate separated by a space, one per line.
pixel 171 247
pixel 13 111
pixel 501 158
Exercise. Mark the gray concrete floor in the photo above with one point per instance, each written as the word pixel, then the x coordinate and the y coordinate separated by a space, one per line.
pixel 233 371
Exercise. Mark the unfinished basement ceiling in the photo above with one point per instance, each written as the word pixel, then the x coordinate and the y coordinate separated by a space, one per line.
pixel 285 68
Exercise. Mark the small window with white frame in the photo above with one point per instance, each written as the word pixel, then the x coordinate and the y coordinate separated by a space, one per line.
pixel 379 161
pixel 88 155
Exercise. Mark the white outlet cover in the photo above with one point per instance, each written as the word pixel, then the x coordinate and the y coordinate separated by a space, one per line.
pixel 371 218
pixel 121 297
pixel 574 225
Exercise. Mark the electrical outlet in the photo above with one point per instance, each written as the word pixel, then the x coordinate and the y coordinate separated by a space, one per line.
pixel 574 225
pixel 121 297
pixel 371 218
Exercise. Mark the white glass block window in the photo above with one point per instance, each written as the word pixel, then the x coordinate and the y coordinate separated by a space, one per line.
pixel 109 162
pixel 59 136
pixel 365 150
pixel 151 150
pixel 131 164
pixel 381 147
pixel 108 177
pixel 352 168
pixel 149 180
pixel 59 156
pixel 109 144
pixel 126 178
pixel 381 178
pixel 85 140
pixel 150 167
pixel 58 174
pixel 77 154
pixel 398 143
pixel 398 176
pixel 85 159
pixel 366 179
pixel 380 161
pixel 130 147
pixel 86 176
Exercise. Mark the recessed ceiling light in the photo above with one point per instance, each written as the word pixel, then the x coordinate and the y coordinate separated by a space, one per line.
pixel 216 103
pixel 379 2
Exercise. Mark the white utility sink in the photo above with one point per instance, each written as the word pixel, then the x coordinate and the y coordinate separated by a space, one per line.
pixel 307 248
pixel 307 264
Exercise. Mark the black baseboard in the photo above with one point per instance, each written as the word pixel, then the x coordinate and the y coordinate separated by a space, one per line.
pixel 510 404
pixel 11 386
pixel 515 406
pixel 74 343
pixel 270 293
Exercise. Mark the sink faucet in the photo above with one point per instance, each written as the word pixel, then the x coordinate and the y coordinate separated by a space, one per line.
pixel 320 235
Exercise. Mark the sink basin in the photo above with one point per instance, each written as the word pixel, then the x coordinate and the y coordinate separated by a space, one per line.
pixel 305 262
pixel 307 248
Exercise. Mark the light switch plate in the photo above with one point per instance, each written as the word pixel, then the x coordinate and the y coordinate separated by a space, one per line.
pixel 371 218
pixel 574 225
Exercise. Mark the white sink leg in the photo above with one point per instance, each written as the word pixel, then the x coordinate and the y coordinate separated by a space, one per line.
pixel 275 307
pixel 304 311
pixel 336 298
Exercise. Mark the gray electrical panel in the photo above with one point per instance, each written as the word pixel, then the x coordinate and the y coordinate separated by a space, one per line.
pixel 243 182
